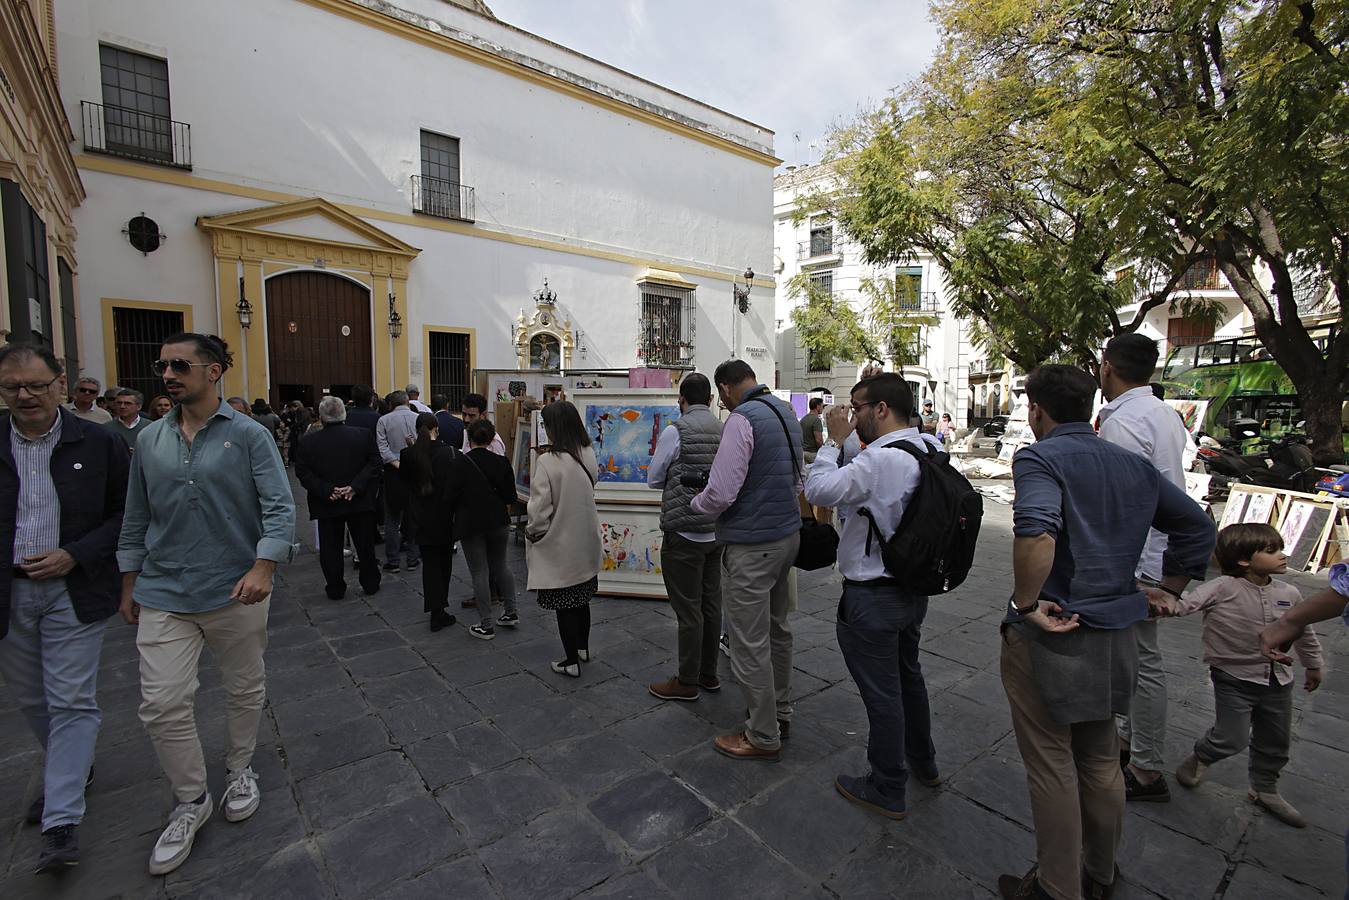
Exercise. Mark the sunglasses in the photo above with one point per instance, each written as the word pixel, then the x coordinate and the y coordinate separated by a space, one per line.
pixel 178 366
pixel 85 390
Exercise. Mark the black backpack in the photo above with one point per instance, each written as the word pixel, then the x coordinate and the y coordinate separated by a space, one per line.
pixel 932 550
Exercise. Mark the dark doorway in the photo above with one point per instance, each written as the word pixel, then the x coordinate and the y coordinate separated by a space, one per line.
pixel 318 336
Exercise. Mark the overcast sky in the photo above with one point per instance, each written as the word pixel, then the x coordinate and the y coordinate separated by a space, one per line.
pixel 790 65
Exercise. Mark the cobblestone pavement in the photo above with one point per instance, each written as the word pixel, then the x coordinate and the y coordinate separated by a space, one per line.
pixel 399 763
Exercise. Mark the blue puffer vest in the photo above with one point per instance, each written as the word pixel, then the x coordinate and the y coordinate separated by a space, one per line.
pixel 766 508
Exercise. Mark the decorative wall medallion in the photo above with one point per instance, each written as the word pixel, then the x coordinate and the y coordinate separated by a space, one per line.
pixel 346 331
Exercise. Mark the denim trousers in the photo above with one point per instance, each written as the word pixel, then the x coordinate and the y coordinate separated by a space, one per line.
pixel 50 661
pixel 879 627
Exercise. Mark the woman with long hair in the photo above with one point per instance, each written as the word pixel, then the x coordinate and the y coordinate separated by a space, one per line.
pixel 564 531
pixel 431 476
pixel 159 407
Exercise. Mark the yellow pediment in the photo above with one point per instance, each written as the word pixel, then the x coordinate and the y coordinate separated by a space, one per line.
pixel 313 219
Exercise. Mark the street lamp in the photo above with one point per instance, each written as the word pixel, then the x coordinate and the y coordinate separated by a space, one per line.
pixel 742 293
pixel 243 307
pixel 395 320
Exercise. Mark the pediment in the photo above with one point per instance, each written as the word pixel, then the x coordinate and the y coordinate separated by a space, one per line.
pixel 313 219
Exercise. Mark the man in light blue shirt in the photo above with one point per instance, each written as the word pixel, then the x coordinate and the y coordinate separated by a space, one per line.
pixel 209 515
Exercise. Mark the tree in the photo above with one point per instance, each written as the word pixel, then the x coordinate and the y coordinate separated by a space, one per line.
pixel 886 327
pixel 1051 142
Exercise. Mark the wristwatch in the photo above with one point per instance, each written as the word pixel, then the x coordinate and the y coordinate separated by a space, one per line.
pixel 829 442
pixel 1022 612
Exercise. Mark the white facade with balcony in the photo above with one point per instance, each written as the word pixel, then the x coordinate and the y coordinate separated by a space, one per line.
pixel 819 249
pixel 337 164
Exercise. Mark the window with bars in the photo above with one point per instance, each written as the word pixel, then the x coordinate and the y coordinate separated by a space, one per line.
pixel 821 237
pixel 909 287
pixel 818 361
pixel 448 365
pixel 822 282
pixel 666 326
pixel 439 190
pixel 1202 275
pixel 136 116
pixel 137 335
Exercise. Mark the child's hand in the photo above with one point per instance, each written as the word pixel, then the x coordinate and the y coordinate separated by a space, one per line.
pixel 1313 680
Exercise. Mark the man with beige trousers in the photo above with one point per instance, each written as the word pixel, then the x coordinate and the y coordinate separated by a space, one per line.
pixel 209 515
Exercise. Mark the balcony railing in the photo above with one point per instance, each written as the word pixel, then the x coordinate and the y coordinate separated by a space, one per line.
pixel 446 199
pixel 129 133
pixel 1202 275
pixel 922 303
pixel 822 244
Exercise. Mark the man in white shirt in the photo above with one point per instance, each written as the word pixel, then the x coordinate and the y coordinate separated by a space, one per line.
pixel 394 432
pixel 879 622
pixel 82 402
pixel 690 556
pixel 1136 420
pixel 414 394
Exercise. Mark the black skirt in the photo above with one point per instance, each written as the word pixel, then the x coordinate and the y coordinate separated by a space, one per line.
pixel 568 597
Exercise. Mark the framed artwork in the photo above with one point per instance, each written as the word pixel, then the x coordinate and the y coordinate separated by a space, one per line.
pixel 523 457
pixel 624 427
pixel 1305 527
pixel 1259 508
pixel 630 544
pixel 1235 509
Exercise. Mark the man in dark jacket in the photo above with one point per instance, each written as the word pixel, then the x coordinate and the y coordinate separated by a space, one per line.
pixel 483 524
pixel 62 488
pixel 338 466
pixel 451 426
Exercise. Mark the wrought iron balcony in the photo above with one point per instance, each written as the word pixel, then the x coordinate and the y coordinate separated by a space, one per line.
pixel 923 303
pixel 445 199
pixel 118 131
pixel 820 244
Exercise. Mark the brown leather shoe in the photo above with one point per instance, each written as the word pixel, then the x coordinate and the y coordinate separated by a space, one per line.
pixel 674 689
pixel 712 684
pixel 737 746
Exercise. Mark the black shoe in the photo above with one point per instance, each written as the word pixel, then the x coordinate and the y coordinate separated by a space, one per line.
pixel 1155 792
pixel 34 815
pixel 1094 890
pixel 928 775
pixel 413 563
pixel 60 849
pixel 1022 887
pixel 391 567
pixel 441 619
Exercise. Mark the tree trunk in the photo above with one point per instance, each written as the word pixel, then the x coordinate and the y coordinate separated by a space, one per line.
pixel 1321 410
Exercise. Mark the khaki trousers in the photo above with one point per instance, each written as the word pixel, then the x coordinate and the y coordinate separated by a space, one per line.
pixel 170 648
pixel 756 592
pixel 1076 784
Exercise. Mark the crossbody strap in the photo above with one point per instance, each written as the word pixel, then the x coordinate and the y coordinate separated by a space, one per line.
pixel 796 467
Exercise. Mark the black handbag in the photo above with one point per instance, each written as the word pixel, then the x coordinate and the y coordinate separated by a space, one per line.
pixel 819 540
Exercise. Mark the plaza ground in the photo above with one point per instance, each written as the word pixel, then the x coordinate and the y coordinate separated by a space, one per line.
pixel 403 764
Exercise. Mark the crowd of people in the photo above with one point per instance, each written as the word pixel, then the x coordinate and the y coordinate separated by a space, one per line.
pixel 177 518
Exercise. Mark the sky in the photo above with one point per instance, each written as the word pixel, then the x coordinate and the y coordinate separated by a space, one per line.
pixel 792 66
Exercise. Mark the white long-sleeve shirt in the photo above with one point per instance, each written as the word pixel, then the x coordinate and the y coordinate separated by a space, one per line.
pixel 667 451
pixel 880 479
pixel 1136 420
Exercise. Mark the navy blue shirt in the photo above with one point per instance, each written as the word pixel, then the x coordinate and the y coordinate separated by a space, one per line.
pixel 362 417
pixel 1097 501
pixel 451 429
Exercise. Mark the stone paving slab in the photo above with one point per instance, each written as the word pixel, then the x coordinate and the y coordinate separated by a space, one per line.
pixel 397 763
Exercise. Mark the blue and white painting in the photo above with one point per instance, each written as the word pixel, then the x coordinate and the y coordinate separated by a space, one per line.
pixel 624 438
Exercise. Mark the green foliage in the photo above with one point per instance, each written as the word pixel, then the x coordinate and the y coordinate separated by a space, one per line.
pixel 887 327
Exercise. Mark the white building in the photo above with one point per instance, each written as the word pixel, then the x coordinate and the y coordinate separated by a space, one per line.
pixel 816 247
pixel 357 191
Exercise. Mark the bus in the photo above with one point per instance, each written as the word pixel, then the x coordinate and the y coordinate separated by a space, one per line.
pixel 1218 381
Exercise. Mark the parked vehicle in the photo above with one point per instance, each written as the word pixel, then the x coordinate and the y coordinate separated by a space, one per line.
pixel 996 427
pixel 1286 463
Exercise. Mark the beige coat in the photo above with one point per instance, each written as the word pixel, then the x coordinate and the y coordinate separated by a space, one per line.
pixel 563 527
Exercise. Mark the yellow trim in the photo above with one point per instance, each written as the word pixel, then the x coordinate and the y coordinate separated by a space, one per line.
pixel 670 279
pixel 250 221
pixel 259 360
pixel 402 368
pixel 110 374
pixel 426 351
pixel 462 50
pixel 147 172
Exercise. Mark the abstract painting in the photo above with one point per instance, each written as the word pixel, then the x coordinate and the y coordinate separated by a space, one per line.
pixel 523 458
pixel 630 544
pixel 623 429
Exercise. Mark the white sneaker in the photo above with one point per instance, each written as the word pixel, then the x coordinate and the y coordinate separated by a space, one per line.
pixel 725 644
pixel 175 843
pixel 583 655
pixel 241 795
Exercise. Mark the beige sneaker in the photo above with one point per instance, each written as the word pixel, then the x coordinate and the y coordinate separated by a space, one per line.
pixel 1278 807
pixel 1191 772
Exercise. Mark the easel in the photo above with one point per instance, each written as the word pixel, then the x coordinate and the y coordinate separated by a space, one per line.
pixel 1315 528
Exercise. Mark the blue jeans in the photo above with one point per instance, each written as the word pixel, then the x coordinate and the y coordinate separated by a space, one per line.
pixel 50 660
pixel 879 627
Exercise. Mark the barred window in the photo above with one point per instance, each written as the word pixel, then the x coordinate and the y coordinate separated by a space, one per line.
pixel 666 325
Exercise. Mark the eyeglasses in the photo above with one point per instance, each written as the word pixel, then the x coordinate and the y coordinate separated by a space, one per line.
pixel 85 390
pixel 35 388
pixel 858 407
pixel 179 366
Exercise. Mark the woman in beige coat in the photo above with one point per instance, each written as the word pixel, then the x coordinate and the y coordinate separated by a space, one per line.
pixel 564 531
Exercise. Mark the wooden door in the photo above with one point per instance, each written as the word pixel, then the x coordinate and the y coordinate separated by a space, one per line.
pixel 318 336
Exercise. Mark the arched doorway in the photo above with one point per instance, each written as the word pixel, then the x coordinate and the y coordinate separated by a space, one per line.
pixel 318 336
